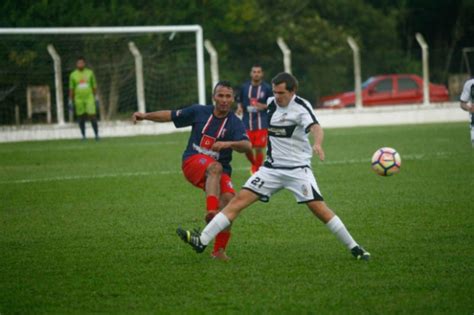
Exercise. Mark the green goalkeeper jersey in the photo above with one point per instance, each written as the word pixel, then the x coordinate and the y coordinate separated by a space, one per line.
pixel 82 83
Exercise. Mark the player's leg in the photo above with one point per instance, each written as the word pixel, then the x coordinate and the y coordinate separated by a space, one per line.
pixel 81 115
pixel 261 185
pixel 212 186
pixel 337 227
pixel 199 241
pixel 260 144
pixel 223 219
pixel 332 221
pixel 305 188
pixel 82 125
pixel 204 172
pixel 91 112
pixel 250 155
pixel 222 239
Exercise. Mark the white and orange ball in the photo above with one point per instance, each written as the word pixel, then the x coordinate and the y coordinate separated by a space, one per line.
pixel 386 161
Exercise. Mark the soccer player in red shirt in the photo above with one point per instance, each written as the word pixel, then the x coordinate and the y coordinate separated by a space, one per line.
pixel 253 108
pixel 216 131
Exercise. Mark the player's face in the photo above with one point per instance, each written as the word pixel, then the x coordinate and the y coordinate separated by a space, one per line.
pixel 256 74
pixel 224 98
pixel 282 95
pixel 80 64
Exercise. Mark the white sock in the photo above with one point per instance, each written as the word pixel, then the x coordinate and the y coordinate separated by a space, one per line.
pixel 217 224
pixel 338 228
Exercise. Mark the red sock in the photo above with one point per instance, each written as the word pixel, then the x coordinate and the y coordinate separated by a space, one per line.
pixel 212 203
pixel 259 159
pixel 250 157
pixel 221 241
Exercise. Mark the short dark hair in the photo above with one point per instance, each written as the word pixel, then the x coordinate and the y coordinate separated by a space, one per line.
pixel 223 83
pixel 81 58
pixel 285 77
pixel 257 65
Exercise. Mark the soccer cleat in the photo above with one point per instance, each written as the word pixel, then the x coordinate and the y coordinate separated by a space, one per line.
pixel 220 255
pixel 360 253
pixel 192 238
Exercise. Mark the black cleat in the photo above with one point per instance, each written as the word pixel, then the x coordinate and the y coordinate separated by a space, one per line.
pixel 360 253
pixel 192 238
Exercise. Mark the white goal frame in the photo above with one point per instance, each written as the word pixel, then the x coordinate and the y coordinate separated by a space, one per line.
pixel 197 29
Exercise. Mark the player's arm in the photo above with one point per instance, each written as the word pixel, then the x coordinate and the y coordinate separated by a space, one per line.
pixel 264 106
pixel 467 107
pixel 318 135
pixel 241 146
pixel 239 110
pixel 93 83
pixel 261 106
pixel 159 116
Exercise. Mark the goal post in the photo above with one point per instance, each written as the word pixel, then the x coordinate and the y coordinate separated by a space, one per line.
pixel 141 38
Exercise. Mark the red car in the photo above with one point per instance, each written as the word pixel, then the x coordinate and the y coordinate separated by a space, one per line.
pixel 389 89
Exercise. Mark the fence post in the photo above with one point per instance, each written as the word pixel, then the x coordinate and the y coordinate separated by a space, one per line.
pixel 214 62
pixel 58 82
pixel 139 76
pixel 426 76
pixel 286 54
pixel 357 75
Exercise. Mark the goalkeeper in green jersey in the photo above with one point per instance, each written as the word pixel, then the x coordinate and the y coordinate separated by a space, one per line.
pixel 83 97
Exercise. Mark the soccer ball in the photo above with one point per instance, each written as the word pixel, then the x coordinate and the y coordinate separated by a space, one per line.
pixel 386 161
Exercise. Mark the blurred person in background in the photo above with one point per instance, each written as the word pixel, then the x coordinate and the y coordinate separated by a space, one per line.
pixel 253 108
pixel 83 96
pixel 467 100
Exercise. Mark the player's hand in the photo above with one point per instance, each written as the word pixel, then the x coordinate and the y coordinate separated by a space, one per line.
pixel 70 105
pixel 261 106
pixel 220 145
pixel 137 116
pixel 319 151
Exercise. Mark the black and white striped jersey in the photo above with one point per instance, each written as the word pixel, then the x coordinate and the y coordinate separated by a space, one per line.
pixel 468 91
pixel 288 127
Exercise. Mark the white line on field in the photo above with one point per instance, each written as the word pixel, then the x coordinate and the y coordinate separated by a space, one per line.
pixel 86 146
pixel 438 155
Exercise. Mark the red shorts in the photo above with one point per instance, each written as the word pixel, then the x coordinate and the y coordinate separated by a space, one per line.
pixel 194 169
pixel 258 138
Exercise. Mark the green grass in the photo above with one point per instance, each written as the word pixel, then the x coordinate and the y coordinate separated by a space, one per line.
pixel 90 227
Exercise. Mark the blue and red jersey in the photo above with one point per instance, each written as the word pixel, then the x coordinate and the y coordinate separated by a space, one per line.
pixel 254 119
pixel 206 129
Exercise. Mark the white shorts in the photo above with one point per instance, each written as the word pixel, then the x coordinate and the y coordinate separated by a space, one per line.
pixel 300 181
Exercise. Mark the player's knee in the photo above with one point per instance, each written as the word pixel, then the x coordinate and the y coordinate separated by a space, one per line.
pixel 214 169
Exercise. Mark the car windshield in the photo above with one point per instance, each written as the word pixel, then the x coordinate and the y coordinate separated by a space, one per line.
pixel 366 83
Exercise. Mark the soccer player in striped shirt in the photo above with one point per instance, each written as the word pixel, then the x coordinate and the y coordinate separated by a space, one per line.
pixel 288 165
pixel 253 108
pixel 216 132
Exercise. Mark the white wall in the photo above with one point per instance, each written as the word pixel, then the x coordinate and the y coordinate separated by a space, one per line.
pixel 378 116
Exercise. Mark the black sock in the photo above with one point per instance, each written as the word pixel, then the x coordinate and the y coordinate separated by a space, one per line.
pixel 82 126
pixel 95 126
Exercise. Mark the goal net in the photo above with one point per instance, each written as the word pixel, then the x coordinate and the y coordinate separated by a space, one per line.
pixel 171 72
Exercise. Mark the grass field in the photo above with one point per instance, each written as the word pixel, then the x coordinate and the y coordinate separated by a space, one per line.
pixel 90 227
